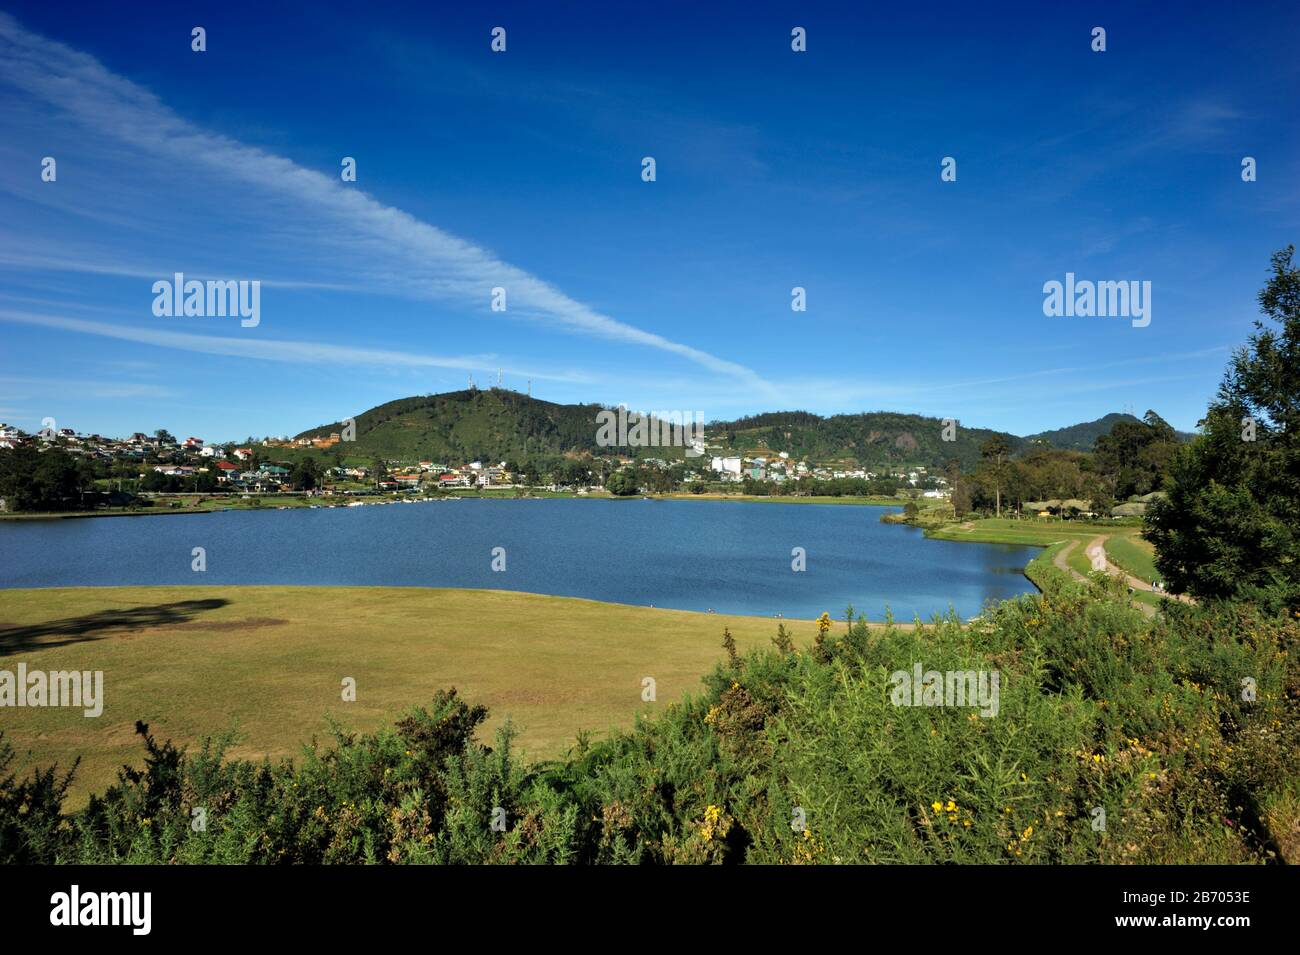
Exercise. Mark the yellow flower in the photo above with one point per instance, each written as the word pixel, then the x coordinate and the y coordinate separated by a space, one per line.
pixel 937 806
pixel 714 824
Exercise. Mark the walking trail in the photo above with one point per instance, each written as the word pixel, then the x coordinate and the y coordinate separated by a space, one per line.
pixel 1097 549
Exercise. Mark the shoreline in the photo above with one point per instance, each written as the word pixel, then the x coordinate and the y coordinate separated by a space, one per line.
pixel 296 502
pixel 612 605
pixel 947 531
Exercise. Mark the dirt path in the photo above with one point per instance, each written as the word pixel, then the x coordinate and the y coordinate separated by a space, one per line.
pixel 1096 551
pixel 1061 560
pixel 1098 545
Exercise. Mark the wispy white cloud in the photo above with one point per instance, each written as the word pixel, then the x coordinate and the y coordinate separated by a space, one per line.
pixel 297 352
pixel 84 387
pixel 1081 369
pixel 302 213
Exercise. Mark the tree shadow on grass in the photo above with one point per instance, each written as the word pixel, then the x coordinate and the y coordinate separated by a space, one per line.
pixel 94 626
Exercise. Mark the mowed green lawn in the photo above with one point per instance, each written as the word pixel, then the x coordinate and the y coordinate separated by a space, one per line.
pixel 1004 530
pixel 1134 555
pixel 197 661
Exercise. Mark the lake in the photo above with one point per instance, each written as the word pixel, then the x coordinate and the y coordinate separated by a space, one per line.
pixel 729 557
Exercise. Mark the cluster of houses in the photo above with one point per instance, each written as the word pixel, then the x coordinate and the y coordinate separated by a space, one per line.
pixel 761 466
pixel 164 455
pixel 234 466
pixel 778 467
pixel 430 474
pixel 138 446
pixel 318 443
pixel 423 476
pixel 235 469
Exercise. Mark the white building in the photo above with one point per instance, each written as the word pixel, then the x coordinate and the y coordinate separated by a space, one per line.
pixel 726 465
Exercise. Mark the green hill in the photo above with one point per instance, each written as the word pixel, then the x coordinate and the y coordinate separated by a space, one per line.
pixel 872 439
pixel 489 425
pixel 497 425
pixel 1082 437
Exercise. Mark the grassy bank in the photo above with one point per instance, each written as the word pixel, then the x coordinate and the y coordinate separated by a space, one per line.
pixel 785 498
pixel 211 503
pixel 192 661
pixel 1134 555
pixel 1102 716
pixel 203 503
pixel 992 530
pixel 1123 544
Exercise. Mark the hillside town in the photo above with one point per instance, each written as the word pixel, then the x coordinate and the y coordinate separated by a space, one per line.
pixel 159 463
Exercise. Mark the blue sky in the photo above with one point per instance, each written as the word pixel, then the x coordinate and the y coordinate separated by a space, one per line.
pixel 775 169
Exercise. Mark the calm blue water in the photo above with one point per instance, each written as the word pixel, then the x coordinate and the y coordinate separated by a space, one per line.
pixel 690 555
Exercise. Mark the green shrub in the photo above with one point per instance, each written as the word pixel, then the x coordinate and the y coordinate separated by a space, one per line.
pixel 1182 730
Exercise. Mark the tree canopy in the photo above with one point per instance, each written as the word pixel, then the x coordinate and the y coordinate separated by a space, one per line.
pixel 1231 524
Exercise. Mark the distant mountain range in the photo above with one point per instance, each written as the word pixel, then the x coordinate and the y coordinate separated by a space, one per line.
pixel 500 425
pixel 1082 437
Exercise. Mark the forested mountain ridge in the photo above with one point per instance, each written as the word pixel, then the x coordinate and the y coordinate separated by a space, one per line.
pixel 499 424
pixel 1083 437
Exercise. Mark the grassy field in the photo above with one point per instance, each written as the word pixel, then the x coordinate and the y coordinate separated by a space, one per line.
pixel 1133 554
pixel 1004 530
pixel 1124 544
pixel 197 661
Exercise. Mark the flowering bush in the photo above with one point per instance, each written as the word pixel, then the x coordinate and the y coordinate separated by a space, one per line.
pixel 1116 739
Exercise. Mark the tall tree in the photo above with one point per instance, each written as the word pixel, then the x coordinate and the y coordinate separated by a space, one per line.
pixel 995 452
pixel 1229 527
pixel 305 475
pixel 621 483
pixel 1133 457
pixel 32 479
